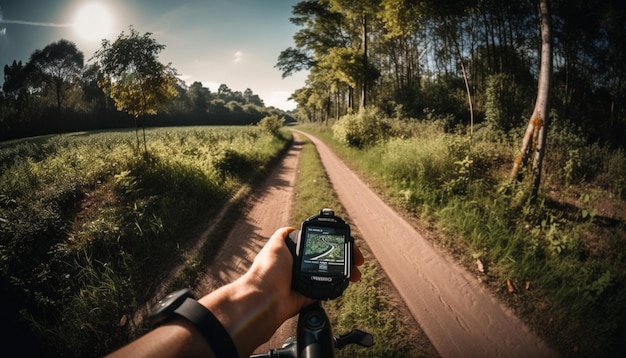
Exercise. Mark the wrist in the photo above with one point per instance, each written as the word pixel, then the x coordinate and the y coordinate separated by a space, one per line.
pixel 245 311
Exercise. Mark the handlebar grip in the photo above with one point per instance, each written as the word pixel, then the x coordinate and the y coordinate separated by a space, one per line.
pixel 315 338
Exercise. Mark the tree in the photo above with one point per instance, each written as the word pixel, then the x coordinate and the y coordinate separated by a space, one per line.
pixel 199 96
pixel 323 30
pixel 15 86
pixel 533 144
pixel 251 98
pixel 361 10
pixel 59 66
pixel 133 76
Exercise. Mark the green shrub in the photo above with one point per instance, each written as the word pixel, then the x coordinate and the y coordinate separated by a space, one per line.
pixel 271 124
pixel 362 129
pixel 505 102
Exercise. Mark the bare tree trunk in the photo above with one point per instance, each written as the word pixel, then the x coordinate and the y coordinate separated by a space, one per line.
pixel 365 62
pixel 468 92
pixel 533 144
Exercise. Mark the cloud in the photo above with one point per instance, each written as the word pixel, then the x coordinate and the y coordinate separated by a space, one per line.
pixel 280 99
pixel 238 56
pixel 32 23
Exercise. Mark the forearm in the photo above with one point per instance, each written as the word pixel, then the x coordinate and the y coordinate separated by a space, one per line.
pixel 246 312
pixel 178 338
pixel 251 309
pixel 248 315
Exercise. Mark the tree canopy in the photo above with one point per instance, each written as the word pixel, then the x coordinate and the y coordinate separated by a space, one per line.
pixel 56 68
pixel 435 55
pixel 133 76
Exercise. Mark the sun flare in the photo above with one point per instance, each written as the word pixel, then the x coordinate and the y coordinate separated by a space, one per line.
pixel 93 21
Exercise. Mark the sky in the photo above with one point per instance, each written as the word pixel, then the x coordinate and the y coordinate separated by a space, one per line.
pixel 231 42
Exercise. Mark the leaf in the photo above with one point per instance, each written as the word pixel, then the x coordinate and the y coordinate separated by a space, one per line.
pixel 510 285
pixel 123 321
pixel 480 265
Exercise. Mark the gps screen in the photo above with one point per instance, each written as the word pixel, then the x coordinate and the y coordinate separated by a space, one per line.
pixel 324 251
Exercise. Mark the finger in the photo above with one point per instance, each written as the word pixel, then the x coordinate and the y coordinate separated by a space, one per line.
pixel 280 235
pixel 358 256
pixel 355 275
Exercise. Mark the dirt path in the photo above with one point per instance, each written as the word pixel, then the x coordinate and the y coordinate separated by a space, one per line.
pixel 458 315
pixel 269 209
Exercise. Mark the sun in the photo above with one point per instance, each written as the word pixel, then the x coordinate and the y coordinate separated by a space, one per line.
pixel 93 21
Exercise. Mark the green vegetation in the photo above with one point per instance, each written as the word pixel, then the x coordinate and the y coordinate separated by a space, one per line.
pixel 133 76
pixel 564 260
pixel 87 223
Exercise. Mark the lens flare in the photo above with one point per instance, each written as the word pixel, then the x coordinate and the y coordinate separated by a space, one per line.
pixel 93 22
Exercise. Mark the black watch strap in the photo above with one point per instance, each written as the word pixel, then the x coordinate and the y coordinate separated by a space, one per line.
pixel 211 328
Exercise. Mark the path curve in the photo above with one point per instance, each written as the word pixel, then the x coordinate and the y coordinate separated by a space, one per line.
pixel 269 208
pixel 461 318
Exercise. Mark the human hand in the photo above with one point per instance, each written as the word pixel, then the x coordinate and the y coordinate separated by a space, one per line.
pixel 272 271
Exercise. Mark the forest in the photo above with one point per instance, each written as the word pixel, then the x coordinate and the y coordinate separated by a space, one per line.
pixel 472 62
pixel 432 101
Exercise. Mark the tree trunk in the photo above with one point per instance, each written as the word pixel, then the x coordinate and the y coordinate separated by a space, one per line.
pixel 365 60
pixel 533 144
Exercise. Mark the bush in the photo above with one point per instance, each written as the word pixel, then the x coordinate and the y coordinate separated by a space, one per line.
pixel 363 129
pixel 506 102
pixel 271 124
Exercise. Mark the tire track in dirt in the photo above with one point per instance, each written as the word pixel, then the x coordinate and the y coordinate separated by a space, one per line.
pixel 268 209
pixel 460 317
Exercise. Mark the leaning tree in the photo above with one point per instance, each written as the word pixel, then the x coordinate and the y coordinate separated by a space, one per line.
pixel 133 76
pixel 534 141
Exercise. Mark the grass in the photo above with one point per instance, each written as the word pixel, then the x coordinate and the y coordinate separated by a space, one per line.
pixel 89 223
pixel 570 256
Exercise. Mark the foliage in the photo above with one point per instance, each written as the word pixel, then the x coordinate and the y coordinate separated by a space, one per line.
pixel 55 93
pixel 416 50
pixel 133 77
pixel 86 224
pixel 505 103
pixel 361 129
pixel 271 124
pixel 56 68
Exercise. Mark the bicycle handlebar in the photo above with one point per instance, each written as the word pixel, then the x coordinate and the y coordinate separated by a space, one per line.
pixel 314 338
pixel 314 333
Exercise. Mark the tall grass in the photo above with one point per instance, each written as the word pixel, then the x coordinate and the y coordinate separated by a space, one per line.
pixel 571 261
pixel 88 222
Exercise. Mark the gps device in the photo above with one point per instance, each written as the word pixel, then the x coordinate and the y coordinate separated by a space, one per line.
pixel 323 257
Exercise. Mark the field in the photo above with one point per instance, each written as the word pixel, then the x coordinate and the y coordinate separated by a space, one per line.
pixel 89 221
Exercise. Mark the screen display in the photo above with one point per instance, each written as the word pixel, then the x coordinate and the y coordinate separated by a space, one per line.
pixel 324 251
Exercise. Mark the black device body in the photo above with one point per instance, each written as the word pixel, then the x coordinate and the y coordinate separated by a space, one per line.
pixel 323 257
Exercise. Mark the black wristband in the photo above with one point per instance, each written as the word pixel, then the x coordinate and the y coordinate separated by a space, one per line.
pixel 211 328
